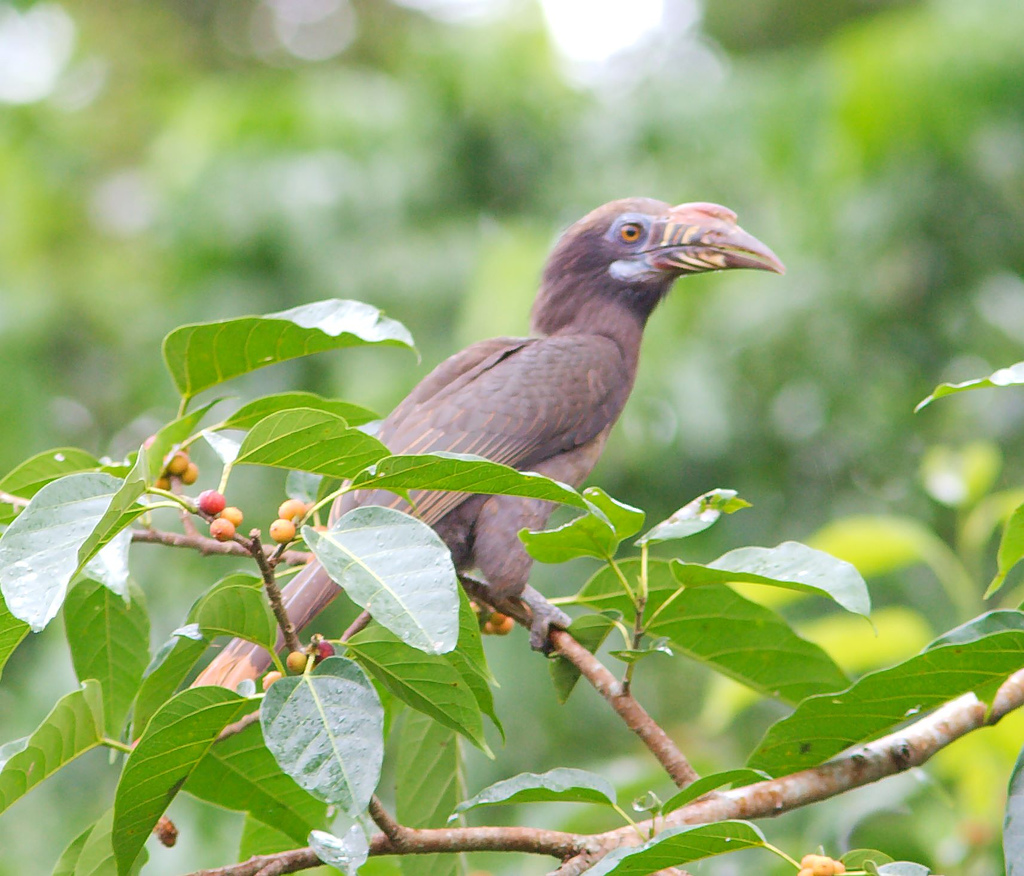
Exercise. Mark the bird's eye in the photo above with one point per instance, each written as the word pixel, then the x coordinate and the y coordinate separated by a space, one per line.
pixel 630 232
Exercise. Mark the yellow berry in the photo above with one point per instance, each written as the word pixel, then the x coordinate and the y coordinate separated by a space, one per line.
pixel 805 871
pixel 190 475
pixel 838 867
pixel 504 626
pixel 178 463
pixel 222 530
pixel 162 483
pixel 270 678
pixel 808 860
pixel 291 509
pixel 823 866
pixel 233 514
pixel 282 531
pixel 296 661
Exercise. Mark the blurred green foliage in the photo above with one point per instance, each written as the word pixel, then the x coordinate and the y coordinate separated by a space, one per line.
pixel 187 165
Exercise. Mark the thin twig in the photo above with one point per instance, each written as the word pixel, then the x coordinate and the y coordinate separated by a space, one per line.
pixel 382 818
pixel 360 623
pixel 11 499
pixel 274 592
pixel 209 546
pixel 625 704
pixel 238 726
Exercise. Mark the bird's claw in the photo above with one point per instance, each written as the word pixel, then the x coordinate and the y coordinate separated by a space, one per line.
pixel 544 616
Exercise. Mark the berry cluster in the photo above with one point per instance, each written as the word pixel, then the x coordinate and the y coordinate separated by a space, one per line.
pixel 297 661
pixel 177 465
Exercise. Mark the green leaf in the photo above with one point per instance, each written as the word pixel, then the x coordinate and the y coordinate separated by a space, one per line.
pixel 716 626
pixel 1013 821
pixel 560 785
pixel 464 473
pixel 248 415
pixel 73 727
pixel 39 551
pixel 176 739
pixel 791 565
pixel 240 773
pixel 166 671
pixel 679 845
pixel 68 859
pixel 976 656
pixel 594 534
pixel 302 485
pixel 315 441
pixel 1011 549
pixel 109 642
pixel 325 729
pixel 347 853
pixel 695 516
pixel 110 565
pixel 121 511
pixel 427 682
pixel 470 662
pixel 1012 376
pixel 903 868
pixel 590 631
pixel 96 857
pixel 857 858
pixel 707 784
pixel 12 631
pixel 37 471
pixel 236 606
pixel 428 779
pixel 398 569
pixel 202 355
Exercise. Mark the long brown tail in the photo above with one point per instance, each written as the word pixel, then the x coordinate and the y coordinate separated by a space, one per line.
pixel 305 596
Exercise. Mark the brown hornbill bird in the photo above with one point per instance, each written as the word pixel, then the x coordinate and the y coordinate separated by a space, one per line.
pixel 545 403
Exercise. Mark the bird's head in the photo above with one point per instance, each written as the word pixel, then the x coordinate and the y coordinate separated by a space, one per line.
pixel 631 251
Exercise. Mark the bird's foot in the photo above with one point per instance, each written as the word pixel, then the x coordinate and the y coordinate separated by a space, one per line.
pixel 544 616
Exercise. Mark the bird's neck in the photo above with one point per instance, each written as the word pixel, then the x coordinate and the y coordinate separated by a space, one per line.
pixel 619 317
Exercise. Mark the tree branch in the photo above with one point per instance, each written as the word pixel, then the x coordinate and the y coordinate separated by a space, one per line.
pixel 209 546
pixel 895 753
pixel 274 592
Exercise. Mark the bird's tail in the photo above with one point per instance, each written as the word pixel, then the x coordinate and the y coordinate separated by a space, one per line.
pixel 305 596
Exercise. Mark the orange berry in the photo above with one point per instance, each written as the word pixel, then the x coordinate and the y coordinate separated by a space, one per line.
pixel 282 531
pixel 488 629
pixel 805 871
pixel 296 661
pixel 233 514
pixel 190 475
pixel 823 866
pixel 222 530
pixel 838 867
pixel 504 627
pixel 162 483
pixel 178 463
pixel 270 678
pixel 291 509
pixel 808 860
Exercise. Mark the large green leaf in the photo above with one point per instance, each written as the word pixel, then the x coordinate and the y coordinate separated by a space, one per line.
pixel 428 779
pixel 166 671
pixel 1011 549
pixel 976 656
pixel 398 569
pixel 791 565
pixel 464 473
pixel 1011 376
pixel 471 663
pixel 427 682
pixel 109 641
pixel 596 533
pixel 96 857
pixel 73 727
pixel 236 606
pixel 316 441
pixel 68 859
pixel 202 355
pixel 240 773
pixel 176 739
pixel 590 631
pixel 37 471
pixel 248 415
pixel 325 729
pixel 39 551
pixel 707 784
pixel 12 631
pixel 561 785
pixel 679 845
pixel 717 626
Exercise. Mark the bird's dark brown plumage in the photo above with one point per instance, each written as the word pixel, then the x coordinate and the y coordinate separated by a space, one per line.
pixel 544 403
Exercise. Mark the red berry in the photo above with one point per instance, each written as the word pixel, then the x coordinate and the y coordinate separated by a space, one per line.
pixel 211 502
pixel 282 531
pixel 324 649
pixel 222 530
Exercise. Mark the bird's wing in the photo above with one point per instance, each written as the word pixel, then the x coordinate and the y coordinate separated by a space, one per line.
pixel 517 401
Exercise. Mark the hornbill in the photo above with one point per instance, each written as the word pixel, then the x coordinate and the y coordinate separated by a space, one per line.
pixel 545 403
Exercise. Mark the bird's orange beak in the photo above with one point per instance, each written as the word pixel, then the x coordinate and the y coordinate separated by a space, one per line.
pixel 705 237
